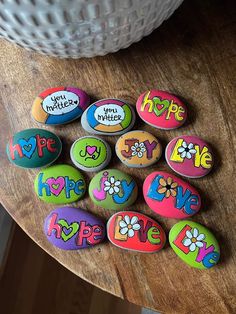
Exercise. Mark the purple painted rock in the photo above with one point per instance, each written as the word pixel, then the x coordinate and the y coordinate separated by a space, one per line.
pixel 72 228
pixel 170 196
pixel 189 156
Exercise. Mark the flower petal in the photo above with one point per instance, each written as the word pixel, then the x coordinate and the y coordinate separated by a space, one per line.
pixel 192 151
pixel 141 144
pixel 111 191
pixel 116 189
pixel 167 193
pixel 195 232
pixel 112 180
pixel 143 150
pixel 107 183
pixel 136 227
pixel 117 183
pixel 124 230
pixel 133 220
pixel 169 180
pixel 122 224
pixel 184 144
pixel 199 244
pixel 201 237
pixel 173 192
pixel 190 145
pixel 187 242
pixel 189 234
pixel 127 219
pixel 181 149
pixel 192 247
pixel 188 155
pixel 174 185
pixel 136 145
pixel 106 188
pixel 162 190
pixel 140 154
pixel 133 148
pixel 130 233
pixel 183 155
pixel 134 153
pixel 162 182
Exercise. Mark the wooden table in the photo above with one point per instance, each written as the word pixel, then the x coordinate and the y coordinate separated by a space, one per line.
pixel 192 55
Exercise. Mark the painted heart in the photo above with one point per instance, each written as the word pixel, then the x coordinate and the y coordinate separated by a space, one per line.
pixel 68 231
pixel 56 185
pixel 91 149
pixel 28 146
pixel 160 105
pixel 76 102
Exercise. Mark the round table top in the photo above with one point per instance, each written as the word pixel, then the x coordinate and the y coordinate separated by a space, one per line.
pixel 191 55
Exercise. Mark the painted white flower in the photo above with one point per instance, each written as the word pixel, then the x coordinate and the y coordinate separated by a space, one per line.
pixel 186 151
pixel 194 239
pixel 129 225
pixel 112 186
pixel 138 149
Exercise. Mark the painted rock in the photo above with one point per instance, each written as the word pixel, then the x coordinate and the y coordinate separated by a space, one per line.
pixel 136 232
pixel 189 156
pixel 72 228
pixel 170 196
pixel 113 189
pixel 59 184
pixel 108 117
pixel 161 109
pixel 59 105
pixel 194 244
pixel 90 153
pixel 33 148
pixel 138 149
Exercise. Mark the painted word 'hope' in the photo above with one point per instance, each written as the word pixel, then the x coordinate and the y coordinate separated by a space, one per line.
pixel 185 200
pixel 201 157
pixel 147 232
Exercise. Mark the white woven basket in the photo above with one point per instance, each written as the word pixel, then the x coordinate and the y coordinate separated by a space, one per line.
pixel 81 28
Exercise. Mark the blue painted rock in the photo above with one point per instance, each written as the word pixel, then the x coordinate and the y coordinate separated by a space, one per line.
pixel 59 105
pixel 33 148
pixel 108 117
pixel 194 244
pixel 170 196
pixel 59 184
pixel 136 232
pixel 189 156
pixel 113 189
pixel 90 153
pixel 72 228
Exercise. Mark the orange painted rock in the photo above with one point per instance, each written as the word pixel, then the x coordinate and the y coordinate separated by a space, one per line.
pixel 138 149
pixel 136 232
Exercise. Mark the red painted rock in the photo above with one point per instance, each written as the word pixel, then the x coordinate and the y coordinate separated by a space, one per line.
pixel 161 109
pixel 170 196
pixel 136 232
pixel 189 156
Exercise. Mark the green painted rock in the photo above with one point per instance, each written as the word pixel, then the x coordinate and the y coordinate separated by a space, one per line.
pixel 113 189
pixel 90 153
pixel 194 244
pixel 59 184
pixel 33 148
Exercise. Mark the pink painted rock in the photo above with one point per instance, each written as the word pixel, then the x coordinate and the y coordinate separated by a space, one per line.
pixel 161 109
pixel 189 156
pixel 170 196
pixel 136 232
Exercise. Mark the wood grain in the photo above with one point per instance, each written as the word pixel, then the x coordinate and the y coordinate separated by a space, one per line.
pixel 192 55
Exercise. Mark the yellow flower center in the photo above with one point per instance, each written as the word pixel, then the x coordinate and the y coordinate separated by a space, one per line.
pixel 194 240
pixel 137 149
pixel 129 226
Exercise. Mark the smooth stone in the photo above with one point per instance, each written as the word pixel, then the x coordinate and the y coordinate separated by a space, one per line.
pixel 33 148
pixel 108 117
pixel 138 149
pixel 113 189
pixel 72 228
pixel 59 184
pixel 170 196
pixel 136 232
pixel 161 109
pixel 189 156
pixel 90 153
pixel 59 105
pixel 194 244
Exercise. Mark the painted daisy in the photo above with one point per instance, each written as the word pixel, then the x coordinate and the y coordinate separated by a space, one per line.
pixel 112 186
pixel 129 225
pixel 194 239
pixel 138 149
pixel 168 187
pixel 186 151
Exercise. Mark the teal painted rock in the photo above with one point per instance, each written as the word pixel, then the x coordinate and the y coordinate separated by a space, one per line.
pixel 113 189
pixel 59 184
pixel 33 148
pixel 194 244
